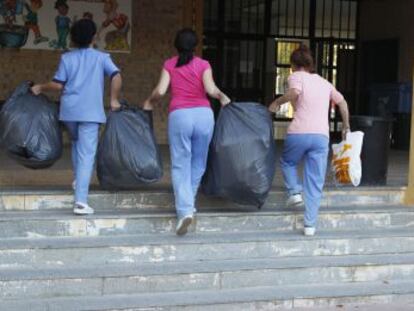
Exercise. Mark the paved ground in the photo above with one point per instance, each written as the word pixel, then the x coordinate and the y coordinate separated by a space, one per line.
pixel 13 175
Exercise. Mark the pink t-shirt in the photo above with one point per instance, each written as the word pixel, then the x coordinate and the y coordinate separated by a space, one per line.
pixel 187 88
pixel 312 107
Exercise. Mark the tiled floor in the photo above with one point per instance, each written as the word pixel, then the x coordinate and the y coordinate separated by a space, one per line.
pixel 12 175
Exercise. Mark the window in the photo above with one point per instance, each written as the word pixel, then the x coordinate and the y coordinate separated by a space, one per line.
pixel 248 43
pixel 244 16
pixel 211 15
pixel 336 63
pixel 290 18
pixel 283 70
pixel 336 19
pixel 242 64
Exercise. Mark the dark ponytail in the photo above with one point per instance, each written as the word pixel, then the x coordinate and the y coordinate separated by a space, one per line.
pixel 185 43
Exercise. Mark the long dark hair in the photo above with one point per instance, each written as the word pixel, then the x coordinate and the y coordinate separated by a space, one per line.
pixel 185 43
pixel 302 58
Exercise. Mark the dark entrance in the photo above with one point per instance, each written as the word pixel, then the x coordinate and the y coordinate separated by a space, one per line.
pixel 379 65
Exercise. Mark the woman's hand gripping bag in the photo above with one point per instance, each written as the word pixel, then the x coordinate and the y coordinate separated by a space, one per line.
pixel 30 130
pixel 128 154
pixel 241 164
pixel 346 160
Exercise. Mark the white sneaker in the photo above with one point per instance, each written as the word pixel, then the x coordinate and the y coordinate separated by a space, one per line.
pixel 82 209
pixel 183 224
pixel 309 231
pixel 294 200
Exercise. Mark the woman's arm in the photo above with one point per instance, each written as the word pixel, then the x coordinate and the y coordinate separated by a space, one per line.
pixel 344 111
pixel 47 87
pixel 159 91
pixel 116 86
pixel 290 96
pixel 212 90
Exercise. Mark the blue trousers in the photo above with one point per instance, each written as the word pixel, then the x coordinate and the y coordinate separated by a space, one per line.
pixel 84 136
pixel 313 149
pixel 189 133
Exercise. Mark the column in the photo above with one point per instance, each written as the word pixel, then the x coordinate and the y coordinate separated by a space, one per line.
pixel 409 195
pixel 193 18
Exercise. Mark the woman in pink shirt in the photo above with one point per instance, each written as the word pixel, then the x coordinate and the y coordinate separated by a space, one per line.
pixel 190 121
pixel 308 134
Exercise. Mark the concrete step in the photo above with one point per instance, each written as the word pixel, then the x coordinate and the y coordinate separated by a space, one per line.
pixel 378 306
pixel 163 199
pixel 214 275
pixel 257 298
pixel 61 223
pixel 58 252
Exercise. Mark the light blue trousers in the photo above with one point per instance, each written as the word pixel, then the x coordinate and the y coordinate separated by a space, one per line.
pixel 84 136
pixel 189 133
pixel 313 149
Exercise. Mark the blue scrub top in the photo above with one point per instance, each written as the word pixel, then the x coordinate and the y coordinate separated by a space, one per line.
pixel 82 72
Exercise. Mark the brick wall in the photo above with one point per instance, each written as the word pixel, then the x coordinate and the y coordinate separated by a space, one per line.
pixel 154 25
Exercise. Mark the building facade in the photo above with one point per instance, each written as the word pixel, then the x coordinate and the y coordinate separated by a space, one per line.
pixel 356 44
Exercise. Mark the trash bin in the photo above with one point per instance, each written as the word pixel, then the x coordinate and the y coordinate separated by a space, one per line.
pixel 386 99
pixel 401 131
pixel 375 150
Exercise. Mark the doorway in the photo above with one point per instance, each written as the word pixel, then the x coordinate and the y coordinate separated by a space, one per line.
pixel 378 64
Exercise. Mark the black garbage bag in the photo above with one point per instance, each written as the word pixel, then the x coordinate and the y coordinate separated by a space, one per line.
pixel 29 129
pixel 242 160
pixel 128 154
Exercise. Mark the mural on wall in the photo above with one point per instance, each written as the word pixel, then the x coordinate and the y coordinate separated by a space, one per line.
pixel 45 24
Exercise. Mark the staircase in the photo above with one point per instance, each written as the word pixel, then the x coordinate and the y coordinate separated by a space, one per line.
pixel 127 257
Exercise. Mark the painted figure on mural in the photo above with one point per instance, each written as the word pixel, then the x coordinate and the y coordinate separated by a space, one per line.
pixel 63 23
pixel 11 33
pixel 116 40
pixel 22 20
pixel 32 20
pixel 9 9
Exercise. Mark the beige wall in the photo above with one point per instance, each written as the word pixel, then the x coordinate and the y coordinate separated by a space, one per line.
pixel 154 25
pixel 386 19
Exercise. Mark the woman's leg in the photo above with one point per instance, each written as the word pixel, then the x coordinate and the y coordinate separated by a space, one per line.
pixel 203 132
pixel 294 149
pixel 86 149
pixel 314 177
pixel 180 131
pixel 72 128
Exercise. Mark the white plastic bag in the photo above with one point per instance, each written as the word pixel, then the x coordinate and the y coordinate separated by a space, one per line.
pixel 346 160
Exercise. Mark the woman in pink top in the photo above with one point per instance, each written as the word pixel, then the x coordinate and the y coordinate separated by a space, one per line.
pixel 190 121
pixel 308 134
